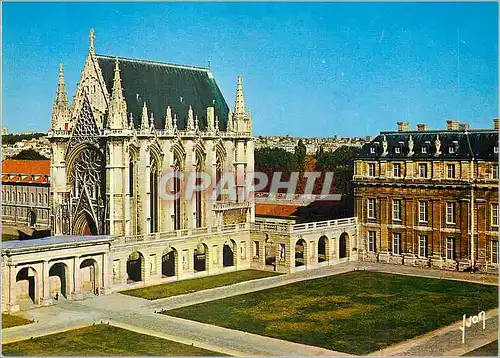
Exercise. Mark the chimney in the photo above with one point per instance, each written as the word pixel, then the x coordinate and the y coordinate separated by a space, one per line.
pixel 403 126
pixel 464 126
pixel 452 125
pixel 495 123
pixel 421 127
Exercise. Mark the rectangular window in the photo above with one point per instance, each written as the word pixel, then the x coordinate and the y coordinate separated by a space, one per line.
pixel 371 209
pixel 396 209
pixel 422 246
pixel 424 150
pixel 397 150
pixel 494 171
pixel 494 252
pixel 256 249
pixel 450 248
pixel 372 241
pixel 494 214
pixel 422 211
pixel 396 244
pixel 450 213
pixel 422 169
pixel 371 169
pixel 397 170
pixel 451 150
pixel 451 171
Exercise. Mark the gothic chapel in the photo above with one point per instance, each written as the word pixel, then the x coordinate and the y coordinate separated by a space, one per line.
pixel 129 122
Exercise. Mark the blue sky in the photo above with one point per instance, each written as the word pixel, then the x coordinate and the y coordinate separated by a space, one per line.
pixel 309 69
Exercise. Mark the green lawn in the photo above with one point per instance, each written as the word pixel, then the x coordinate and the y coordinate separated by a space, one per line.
pixel 101 340
pixel 357 312
pixel 197 284
pixel 12 321
pixel 7 237
pixel 488 350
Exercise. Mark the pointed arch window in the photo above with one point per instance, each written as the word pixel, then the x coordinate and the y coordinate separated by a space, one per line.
pixel 177 191
pixel 131 170
pixel 198 194
pixel 153 192
pixel 218 176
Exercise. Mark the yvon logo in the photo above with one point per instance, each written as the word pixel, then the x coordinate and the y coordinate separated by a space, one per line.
pixel 467 322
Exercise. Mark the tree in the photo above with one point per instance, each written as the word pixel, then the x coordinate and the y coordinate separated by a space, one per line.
pixel 300 155
pixel 29 154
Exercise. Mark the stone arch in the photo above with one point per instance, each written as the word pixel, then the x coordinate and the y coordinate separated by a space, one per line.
pixel 228 253
pixel 200 257
pixel 89 276
pixel 168 262
pixel 135 267
pixel 84 224
pixel 323 246
pixel 179 153
pixel 59 279
pixel 343 245
pixel 300 252
pixel 27 284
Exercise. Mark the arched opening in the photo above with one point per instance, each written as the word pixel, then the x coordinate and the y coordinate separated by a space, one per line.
pixel 153 199
pixel 85 225
pixel 88 275
pixel 322 246
pixel 26 286
pixel 343 245
pixel 228 254
pixel 32 218
pixel 218 176
pixel 270 251
pixel 200 257
pixel 135 267
pixel 168 263
pixel 59 280
pixel 300 253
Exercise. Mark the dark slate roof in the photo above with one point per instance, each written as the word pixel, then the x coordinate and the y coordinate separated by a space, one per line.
pixel 161 85
pixel 478 144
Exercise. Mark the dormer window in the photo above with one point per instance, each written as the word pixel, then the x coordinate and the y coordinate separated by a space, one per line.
pixel 424 150
pixel 451 150
pixel 397 150
pixel 495 149
pixel 372 150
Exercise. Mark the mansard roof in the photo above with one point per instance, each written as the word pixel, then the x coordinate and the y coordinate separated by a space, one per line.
pixel 160 85
pixel 466 144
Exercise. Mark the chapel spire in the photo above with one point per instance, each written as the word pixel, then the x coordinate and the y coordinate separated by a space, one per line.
pixel 60 108
pixel 91 37
pixel 239 104
pixel 190 120
pixel 144 118
pixel 240 121
pixel 61 97
pixel 118 106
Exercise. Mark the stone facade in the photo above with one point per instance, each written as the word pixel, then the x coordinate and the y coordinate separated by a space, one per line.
pixel 413 195
pixel 131 122
pixel 25 193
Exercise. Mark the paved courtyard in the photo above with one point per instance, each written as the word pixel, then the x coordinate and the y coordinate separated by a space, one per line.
pixel 139 315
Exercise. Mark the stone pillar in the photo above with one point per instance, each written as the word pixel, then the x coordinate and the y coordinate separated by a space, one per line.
pixel 45 299
pixel 106 274
pixel 76 288
pixel 166 207
pixel 12 305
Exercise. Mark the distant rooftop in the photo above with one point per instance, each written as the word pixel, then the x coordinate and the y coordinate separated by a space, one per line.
pixel 51 241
